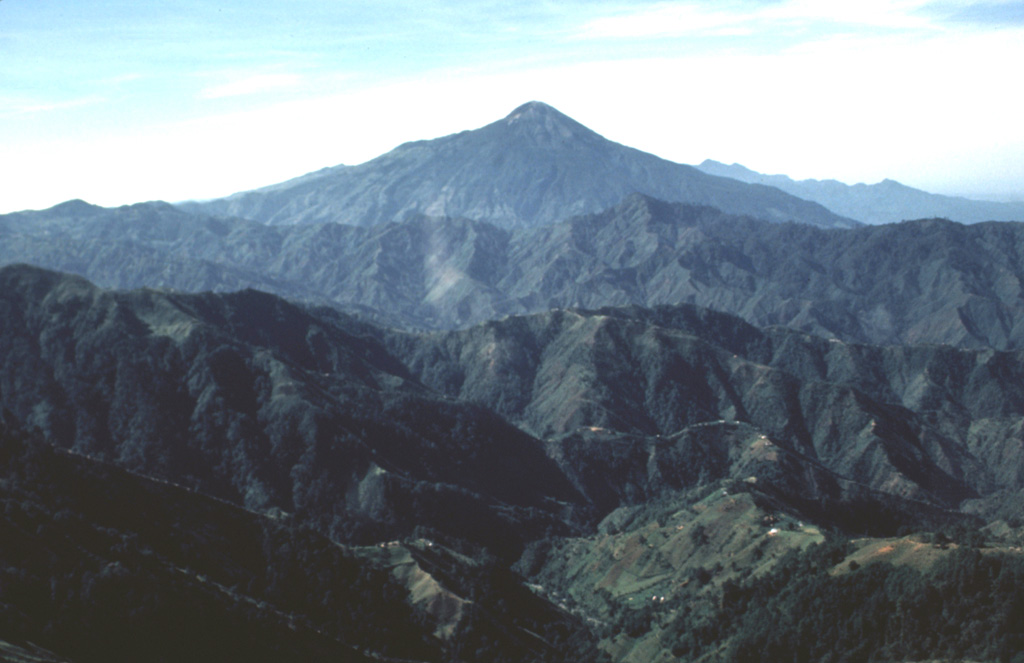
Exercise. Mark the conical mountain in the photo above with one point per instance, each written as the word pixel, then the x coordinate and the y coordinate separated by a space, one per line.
pixel 534 167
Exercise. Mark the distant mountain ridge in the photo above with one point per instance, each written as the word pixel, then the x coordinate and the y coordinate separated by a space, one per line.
pixel 534 167
pixel 885 202
pixel 927 281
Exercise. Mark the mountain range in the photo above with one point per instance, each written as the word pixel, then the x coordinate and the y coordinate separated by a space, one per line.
pixel 515 394
pixel 267 399
pixel 503 437
pixel 926 281
pixel 885 202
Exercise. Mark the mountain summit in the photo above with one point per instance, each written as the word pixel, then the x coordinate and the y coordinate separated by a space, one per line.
pixel 533 167
pixel 532 110
pixel 536 121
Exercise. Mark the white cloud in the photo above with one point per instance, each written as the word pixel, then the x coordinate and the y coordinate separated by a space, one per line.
pixel 774 20
pixel 886 14
pixel 665 20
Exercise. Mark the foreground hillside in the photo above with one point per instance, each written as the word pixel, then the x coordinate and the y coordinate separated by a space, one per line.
pixel 271 405
pixel 520 489
pixel 928 281
pixel 103 565
pixel 254 400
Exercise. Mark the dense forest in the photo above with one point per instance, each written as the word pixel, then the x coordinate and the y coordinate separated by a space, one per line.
pixel 236 476
pixel 102 565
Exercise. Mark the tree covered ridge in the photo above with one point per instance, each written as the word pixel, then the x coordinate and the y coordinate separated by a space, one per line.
pixel 924 281
pixel 339 431
pixel 103 565
pixel 967 606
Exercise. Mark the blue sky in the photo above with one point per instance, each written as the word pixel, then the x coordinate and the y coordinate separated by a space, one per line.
pixel 117 102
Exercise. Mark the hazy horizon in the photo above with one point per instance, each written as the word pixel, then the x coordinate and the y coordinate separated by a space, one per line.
pixel 119 102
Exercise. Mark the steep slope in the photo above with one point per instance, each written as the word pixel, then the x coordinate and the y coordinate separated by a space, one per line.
pixel 103 565
pixel 928 281
pixel 252 399
pixel 885 202
pixel 931 423
pixel 424 272
pixel 534 167
pixel 97 564
pixel 201 457
pixel 727 577
pixel 269 405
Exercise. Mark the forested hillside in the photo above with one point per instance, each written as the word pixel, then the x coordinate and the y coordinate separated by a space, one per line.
pixel 299 480
pixel 928 281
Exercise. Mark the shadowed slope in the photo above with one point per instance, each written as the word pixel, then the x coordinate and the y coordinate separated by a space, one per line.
pixel 252 399
pixel 924 422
